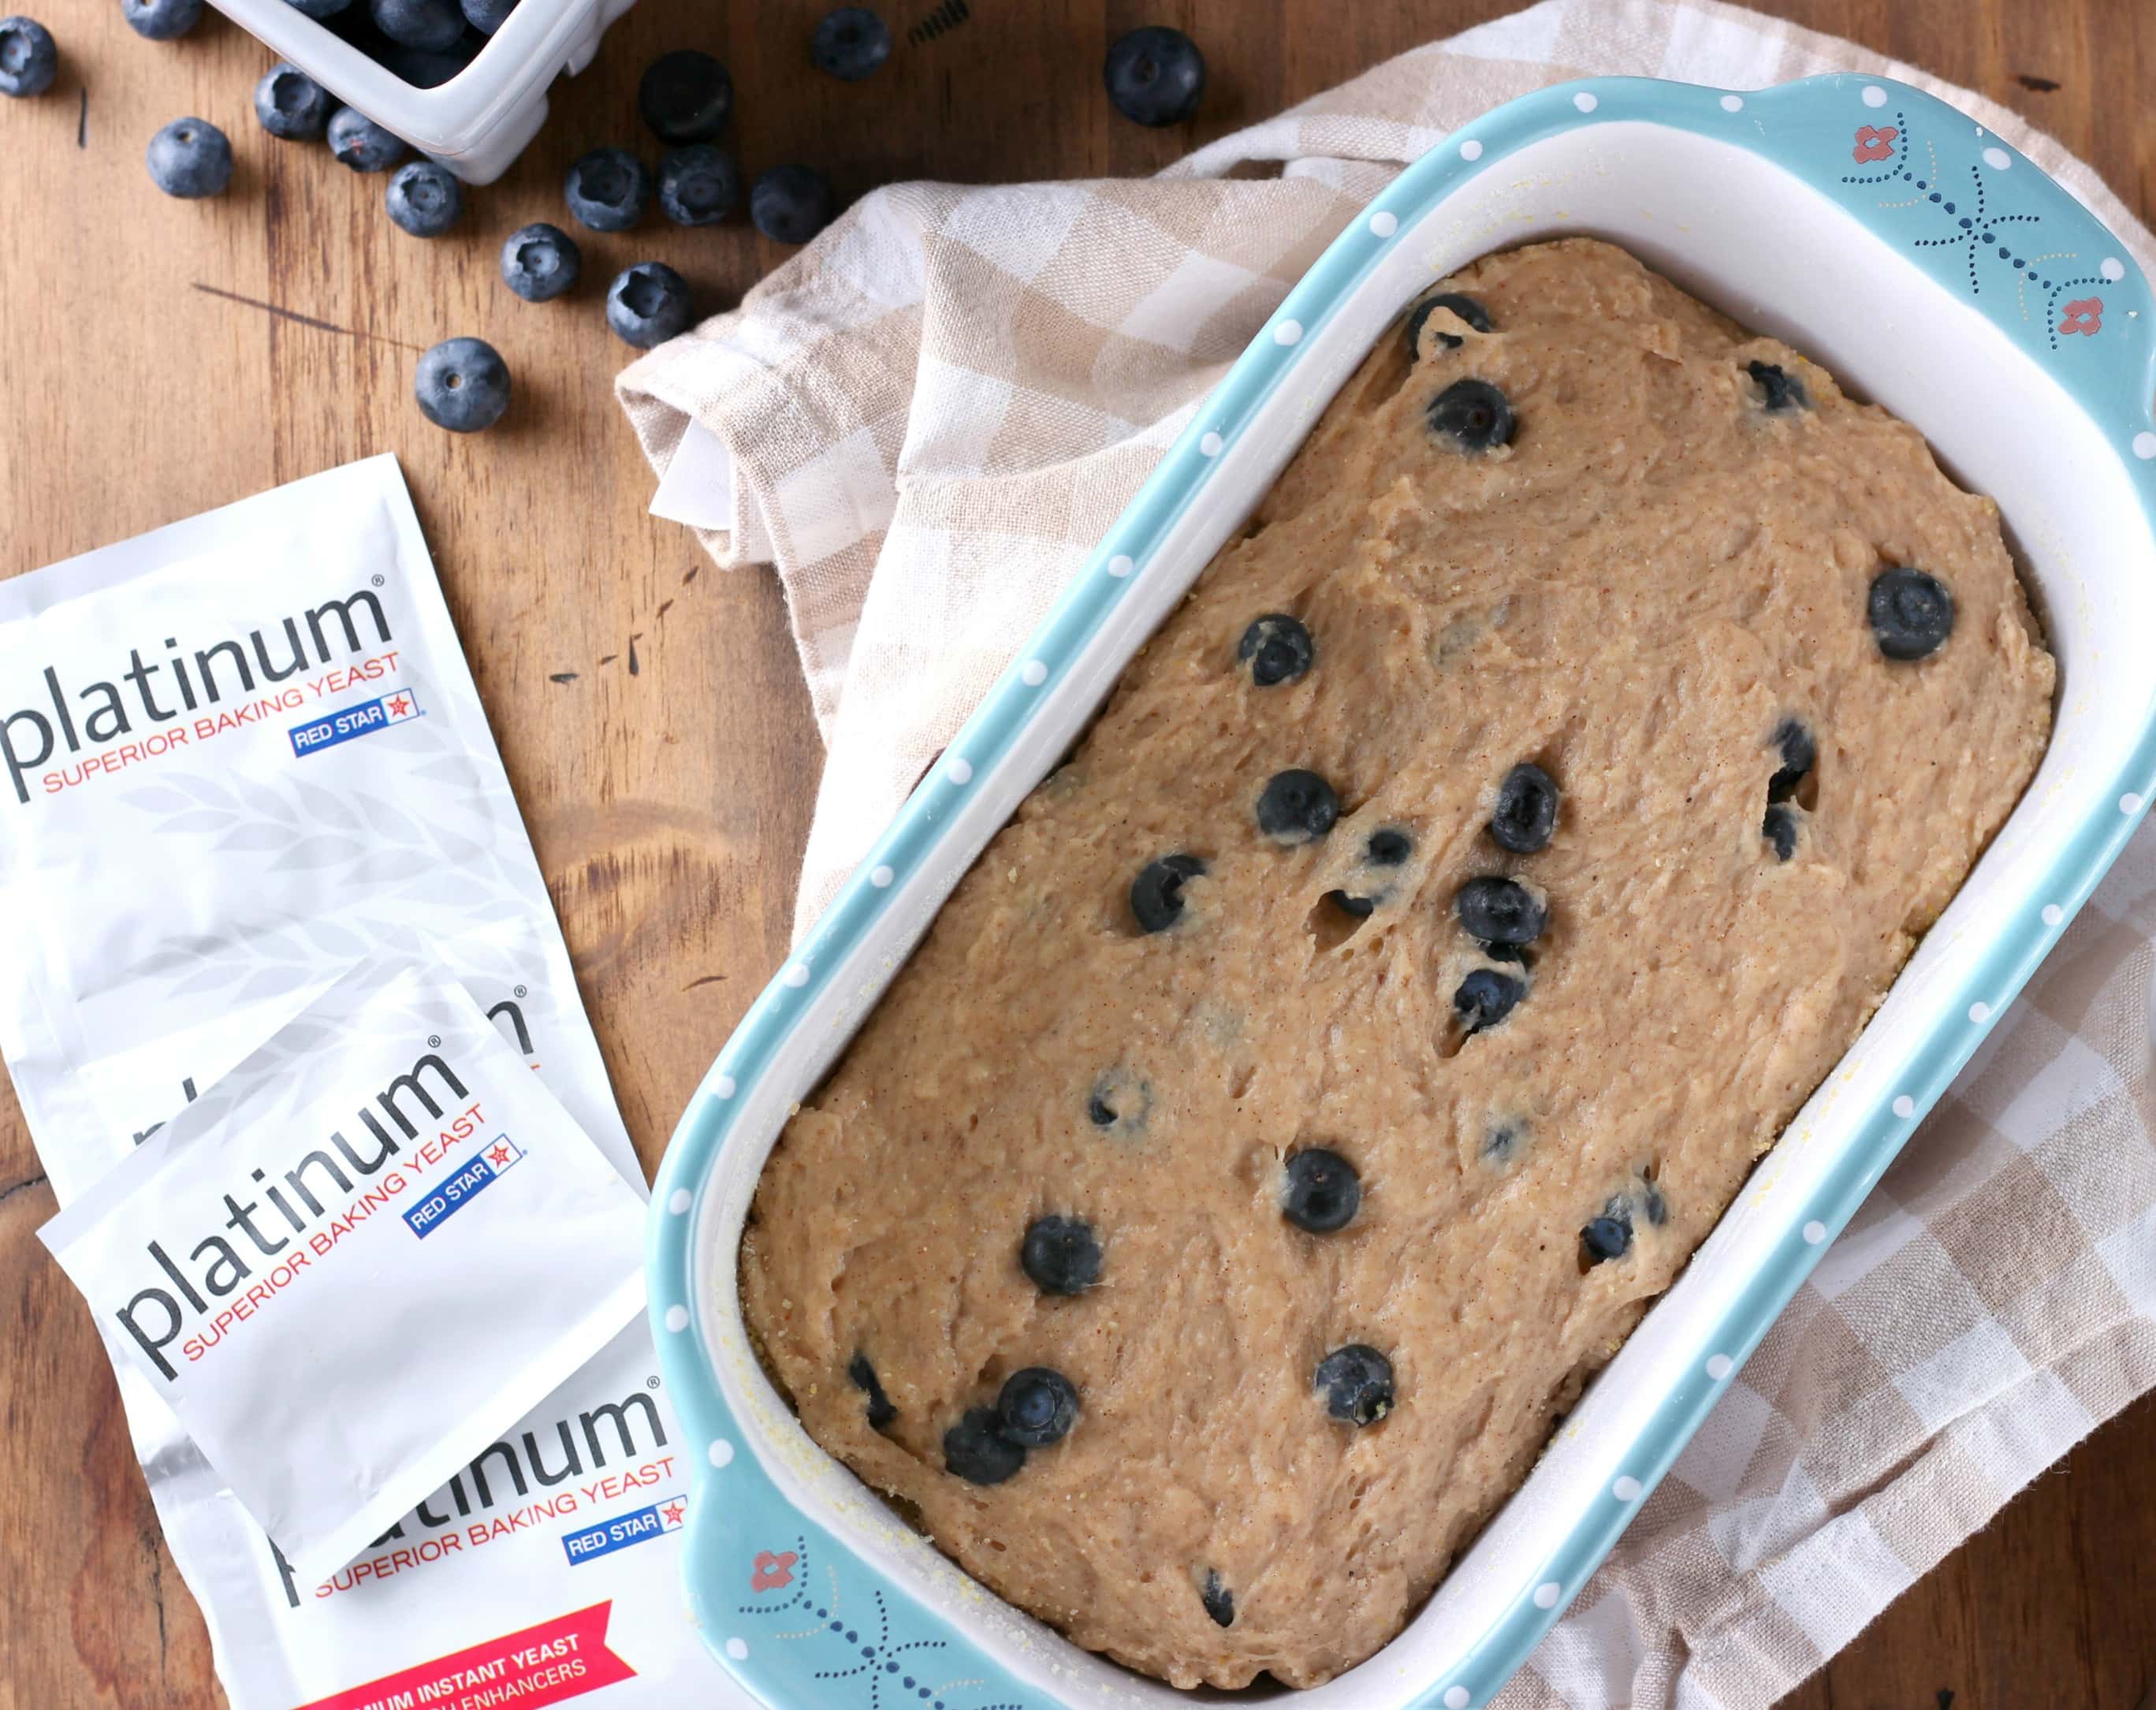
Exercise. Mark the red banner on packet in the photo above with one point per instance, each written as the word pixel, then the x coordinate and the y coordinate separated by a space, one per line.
pixel 548 1663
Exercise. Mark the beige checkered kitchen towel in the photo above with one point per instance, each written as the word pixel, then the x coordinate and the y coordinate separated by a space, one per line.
pixel 932 414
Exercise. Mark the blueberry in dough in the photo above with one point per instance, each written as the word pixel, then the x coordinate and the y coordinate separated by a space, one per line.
pixel 1277 649
pixel 1465 307
pixel 1779 828
pixel 1912 612
pixel 1650 1202
pixel 1800 753
pixel 1297 807
pixel 976 1449
pixel 863 1376
pixel 1323 1192
pixel 1038 1407
pixel 1486 998
pixel 1219 1600
pixel 1473 413
pixel 1526 814
pixel 1121 1100
pixel 1356 1383
pixel 1388 848
pixel 1780 392
pixel 1061 1254
pixel 1608 1236
pixel 1515 954
pixel 1359 907
pixel 1156 892
pixel 1500 912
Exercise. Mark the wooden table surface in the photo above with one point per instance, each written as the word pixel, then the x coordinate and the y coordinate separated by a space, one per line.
pixel 159 357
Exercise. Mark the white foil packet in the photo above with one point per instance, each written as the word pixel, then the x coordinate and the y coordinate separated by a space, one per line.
pixel 185 862
pixel 380 1204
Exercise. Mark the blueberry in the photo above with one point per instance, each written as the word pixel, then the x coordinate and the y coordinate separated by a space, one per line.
pixel 432 24
pixel 1473 413
pixel 1060 1255
pixel 1779 828
pixel 1780 392
pixel 1121 1100
pixel 976 1450
pixel 1359 908
pixel 1323 1191
pixel 290 104
pixel 318 8
pixel 1515 953
pixel 190 158
pixel 540 262
pixel 1608 1236
pixel 1219 1600
pixel 1799 754
pixel 608 189
pixel 462 385
pixel 488 15
pixel 1500 912
pixel 1465 307
pixel 1650 1202
pixel 1277 649
pixel 1527 810
pixel 1358 1384
pixel 791 204
pixel 1912 612
pixel 29 59
pixel 1297 806
pixel 850 44
pixel 685 96
pixel 1501 1141
pixel 647 304
pixel 864 1378
pixel 424 198
pixel 698 185
pixel 1156 892
pixel 1388 848
pixel 1155 75
pixel 161 20
pixel 1486 998
pixel 362 144
pixel 428 67
pixel 1038 1407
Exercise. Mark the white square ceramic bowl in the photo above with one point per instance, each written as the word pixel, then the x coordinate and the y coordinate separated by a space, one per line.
pixel 1851 216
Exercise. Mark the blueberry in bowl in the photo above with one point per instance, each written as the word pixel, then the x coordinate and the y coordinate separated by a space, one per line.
pixel 362 144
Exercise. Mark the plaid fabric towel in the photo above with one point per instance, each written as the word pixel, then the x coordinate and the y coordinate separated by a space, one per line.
pixel 932 414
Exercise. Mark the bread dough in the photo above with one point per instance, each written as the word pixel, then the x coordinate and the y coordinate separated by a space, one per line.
pixel 1639 594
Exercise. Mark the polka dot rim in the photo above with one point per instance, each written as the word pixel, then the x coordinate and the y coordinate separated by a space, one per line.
pixel 720 1453
pixel 737 1649
pixel 1457 1698
pixel 2113 268
pixel 1626 1489
pixel 1035 673
pixel 2129 802
pixel 2053 914
pixel 1733 104
pixel 962 770
pixel 1211 444
pixel 1905 1107
pixel 1287 332
pixel 881 877
pixel 1587 103
pixel 1874 96
pixel 1471 150
pixel 1384 224
pixel 797 975
pixel 1120 566
pixel 724 1087
pixel 1546 1593
pixel 677 1317
pixel 1979 1011
pixel 679 1201
pixel 2144 445
pixel 1815 1233
pixel 1998 159
pixel 1719 1366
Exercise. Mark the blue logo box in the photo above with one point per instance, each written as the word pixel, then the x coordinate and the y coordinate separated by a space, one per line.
pixel 362 720
pixel 459 1191
pixel 608 1536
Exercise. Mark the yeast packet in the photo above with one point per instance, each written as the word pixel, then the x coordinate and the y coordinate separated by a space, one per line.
pixel 358 1258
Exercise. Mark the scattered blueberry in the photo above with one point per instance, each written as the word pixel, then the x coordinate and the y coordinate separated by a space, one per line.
pixel 190 158
pixel 1500 912
pixel 318 8
pixel 1608 1236
pixel 1038 1407
pixel 540 262
pixel 1277 649
pixel 1156 892
pixel 1358 1384
pixel 462 385
pixel 698 185
pixel 1527 810
pixel 488 15
pixel 791 204
pixel 1465 307
pixel 432 24
pixel 362 144
pixel 1359 908
pixel 1060 1255
pixel 976 1450
pixel 1473 413
pixel 1323 1192
pixel 161 20
pixel 1387 848
pixel 863 1375
pixel 29 59
pixel 424 198
pixel 850 44
pixel 290 104
pixel 1779 828
pixel 647 304
pixel 1297 806
pixel 1780 392
pixel 685 96
pixel 608 189
pixel 1486 998
pixel 1155 75
pixel 1912 612
pixel 1219 1600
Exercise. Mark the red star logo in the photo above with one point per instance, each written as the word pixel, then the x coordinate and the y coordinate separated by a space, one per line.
pixel 499 1158
pixel 671 1513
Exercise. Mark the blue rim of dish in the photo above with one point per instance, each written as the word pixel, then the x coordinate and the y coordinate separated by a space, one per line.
pixel 1855 139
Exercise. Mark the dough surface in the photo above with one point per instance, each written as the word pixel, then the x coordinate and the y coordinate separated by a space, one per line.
pixel 1638 594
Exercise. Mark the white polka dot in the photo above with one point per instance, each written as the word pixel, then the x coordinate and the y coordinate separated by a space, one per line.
pixel 1587 103
pixel 2129 802
pixel 1719 1366
pixel 962 770
pixel 2144 445
pixel 1733 104
pixel 724 1087
pixel 677 1317
pixel 1120 566
pixel 722 1452
pixel 1210 444
pixel 1626 1489
pixel 680 1201
pixel 881 877
pixel 797 975
pixel 1471 150
pixel 1979 1011
pixel 1384 224
pixel 1287 332
pixel 1815 1233
pixel 1874 96
pixel 1905 1107
pixel 1457 1698
pixel 737 1649
pixel 1998 159
pixel 1035 673
pixel 1546 1593
pixel 2112 267
pixel 2053 914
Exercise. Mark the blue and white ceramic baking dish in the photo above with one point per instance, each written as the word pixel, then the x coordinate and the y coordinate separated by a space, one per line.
pixel 1931 268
